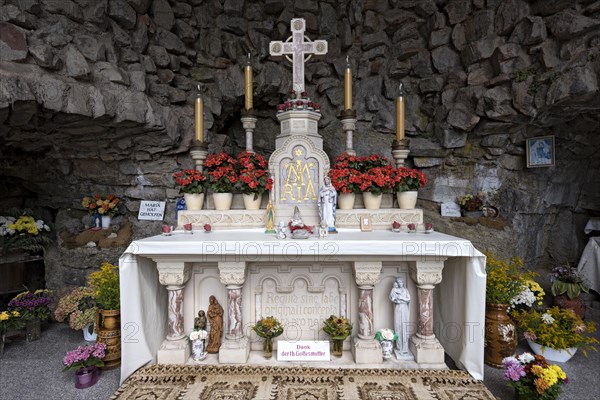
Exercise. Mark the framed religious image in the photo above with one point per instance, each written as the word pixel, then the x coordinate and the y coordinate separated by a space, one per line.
pixel 540 152
pixel 365 223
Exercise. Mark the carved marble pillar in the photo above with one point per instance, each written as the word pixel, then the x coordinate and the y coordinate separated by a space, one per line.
pixel 175 348
pixel 235 348
pixel 365 348
pixel 423 344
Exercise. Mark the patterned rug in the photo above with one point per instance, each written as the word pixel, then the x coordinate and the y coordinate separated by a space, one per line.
pixel 225 382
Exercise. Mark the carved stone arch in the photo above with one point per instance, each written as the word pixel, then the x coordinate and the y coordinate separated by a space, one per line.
pixel 285 154
pixel 307 278
pixel 261 282
pixel 336 278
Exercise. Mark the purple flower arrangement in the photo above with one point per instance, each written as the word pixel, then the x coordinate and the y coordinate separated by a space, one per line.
pixel 85 356
pixel 32 305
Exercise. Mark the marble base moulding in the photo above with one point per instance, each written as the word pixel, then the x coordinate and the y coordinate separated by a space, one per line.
pixel 245 219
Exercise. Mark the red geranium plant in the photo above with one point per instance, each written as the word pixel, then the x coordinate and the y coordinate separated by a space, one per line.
pixel 222 172
pixel 253 175
pixel 190 181
pixel 345 174
pixel 406 179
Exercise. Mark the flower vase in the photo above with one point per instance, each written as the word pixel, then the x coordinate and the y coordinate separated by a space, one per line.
pixel 552 354
pixel 500 335
pixel 386 347
pixel 88 333
pixel 106 221
pixel 193 201
pixel 337 348
pixel 268 348
pixel 108 328
pixel 222 201
pixel 252 201
pixel 346 201
pixel 407 200
pixel 33 327
pixel 372 201
pixel 198 353
pixel 86 377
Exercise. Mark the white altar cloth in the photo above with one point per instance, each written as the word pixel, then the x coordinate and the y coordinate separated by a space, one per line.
pixel 459 314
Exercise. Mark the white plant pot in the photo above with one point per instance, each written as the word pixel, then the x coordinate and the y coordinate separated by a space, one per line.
pixel 552 354
pixel 106 221
pixel 222 201
pixel 407 200
pixel 193 201
pixel 250 202
pixel 372 201
pixel 88 333
pixel 345 201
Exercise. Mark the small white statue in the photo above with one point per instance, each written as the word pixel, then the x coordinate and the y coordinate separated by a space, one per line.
pixel 401 299
pixel 326 202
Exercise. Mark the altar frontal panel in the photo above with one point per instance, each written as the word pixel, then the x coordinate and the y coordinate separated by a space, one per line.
pixel 301 296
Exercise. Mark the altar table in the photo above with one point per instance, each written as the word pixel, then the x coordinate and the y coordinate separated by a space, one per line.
pixel 458 300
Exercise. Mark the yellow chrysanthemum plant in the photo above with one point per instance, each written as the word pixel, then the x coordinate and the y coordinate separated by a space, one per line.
pixel 19 230
pixel 10 320
pixel 559 329
pixel 507 279
pixel 105 284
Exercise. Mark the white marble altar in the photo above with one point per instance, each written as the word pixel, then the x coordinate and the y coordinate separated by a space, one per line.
pixel 301 282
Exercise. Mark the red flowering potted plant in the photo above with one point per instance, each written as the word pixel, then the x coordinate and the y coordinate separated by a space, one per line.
pixel 376 179
pixel 345 175
pixel 406 183
pixel 222 178
pixel 254 178
pixel 192 184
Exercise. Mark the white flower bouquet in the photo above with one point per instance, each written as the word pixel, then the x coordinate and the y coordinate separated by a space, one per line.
pixel 198 335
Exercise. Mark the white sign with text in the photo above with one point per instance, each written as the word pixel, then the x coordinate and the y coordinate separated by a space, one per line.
pixel 450 209
pixel 303 350
pixel 152 210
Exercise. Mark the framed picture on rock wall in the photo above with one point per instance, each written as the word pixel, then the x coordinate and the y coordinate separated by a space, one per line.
pixel 540 152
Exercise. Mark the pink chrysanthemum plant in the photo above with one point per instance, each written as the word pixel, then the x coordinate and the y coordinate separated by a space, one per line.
pixel 84 357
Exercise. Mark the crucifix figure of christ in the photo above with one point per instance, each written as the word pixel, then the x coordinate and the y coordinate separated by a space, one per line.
pixel 298 48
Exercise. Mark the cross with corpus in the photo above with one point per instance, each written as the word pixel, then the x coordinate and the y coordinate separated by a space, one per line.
pixel 298 48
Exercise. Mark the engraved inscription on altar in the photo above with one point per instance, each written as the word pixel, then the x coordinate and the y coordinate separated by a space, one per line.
pixel 301 297
pixel 298 178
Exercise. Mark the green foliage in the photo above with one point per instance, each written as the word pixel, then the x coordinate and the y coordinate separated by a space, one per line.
pixel 337 327
pixel 505 279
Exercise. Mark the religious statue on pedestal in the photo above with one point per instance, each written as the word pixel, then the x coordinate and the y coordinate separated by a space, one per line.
pixel 215 317
pixel 401 299
pixel 326 202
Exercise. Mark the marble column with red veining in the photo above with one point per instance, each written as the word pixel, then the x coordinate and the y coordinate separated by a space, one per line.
pixel 365 313
pixel 234 311
pixel 175 313
pixel 425 327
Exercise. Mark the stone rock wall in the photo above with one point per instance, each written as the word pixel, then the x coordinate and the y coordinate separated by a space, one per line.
pixel 96 97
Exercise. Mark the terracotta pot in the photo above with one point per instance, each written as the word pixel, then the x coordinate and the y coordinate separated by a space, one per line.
pixel 500 335
pixel 576 304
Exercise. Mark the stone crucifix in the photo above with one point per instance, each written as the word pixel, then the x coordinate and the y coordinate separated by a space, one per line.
pixel 298 48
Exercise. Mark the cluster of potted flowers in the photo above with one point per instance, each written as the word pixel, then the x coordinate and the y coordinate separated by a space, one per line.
pixel 373 176
pixel 21 231
pixel 79 307
pixel 225 174
pixel 533 377
pixel 103 209
pixel 33 308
